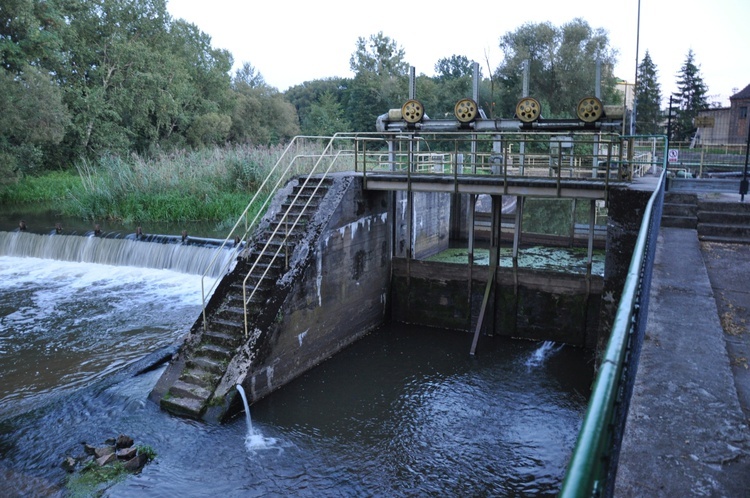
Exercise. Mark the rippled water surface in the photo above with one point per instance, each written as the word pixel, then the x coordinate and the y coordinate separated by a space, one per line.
pixel 404 412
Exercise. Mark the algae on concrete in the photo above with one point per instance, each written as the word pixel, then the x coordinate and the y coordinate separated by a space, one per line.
pixel 562 259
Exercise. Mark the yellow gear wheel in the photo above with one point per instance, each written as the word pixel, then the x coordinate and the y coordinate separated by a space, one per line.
pixel 589 109
pixel 528 109
pixel 412 111
pixel 466 110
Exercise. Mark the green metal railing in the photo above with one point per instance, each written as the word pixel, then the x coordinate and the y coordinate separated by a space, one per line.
pixel 286 226
pixel 593 465
pixel 276 177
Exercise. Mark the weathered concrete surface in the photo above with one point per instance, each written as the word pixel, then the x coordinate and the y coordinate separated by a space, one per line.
pixel 625 212
pixel 686 434
pixel 337 295
pixel 430 224
pixel 530 304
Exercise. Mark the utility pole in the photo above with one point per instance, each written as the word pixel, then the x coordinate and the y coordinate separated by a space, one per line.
pixel 669 120
pixel 635 85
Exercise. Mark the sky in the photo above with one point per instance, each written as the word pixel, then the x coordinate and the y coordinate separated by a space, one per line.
pixel 290 42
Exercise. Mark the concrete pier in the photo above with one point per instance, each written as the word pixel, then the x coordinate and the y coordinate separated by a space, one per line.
pixel 686 434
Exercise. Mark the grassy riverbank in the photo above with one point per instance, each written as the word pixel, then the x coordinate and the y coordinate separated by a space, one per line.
pixel 205 185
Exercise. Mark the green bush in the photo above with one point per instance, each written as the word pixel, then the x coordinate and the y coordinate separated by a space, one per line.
pixel 50 187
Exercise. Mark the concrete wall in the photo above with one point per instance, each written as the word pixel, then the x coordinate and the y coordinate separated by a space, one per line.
pixel 430 222
pixel 527 304
pixel 339 296
pixel 625 212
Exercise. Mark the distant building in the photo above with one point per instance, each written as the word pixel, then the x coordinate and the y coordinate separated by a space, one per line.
pixel 738 120
pixel 724 125
pixel 626 89
pixel 712 126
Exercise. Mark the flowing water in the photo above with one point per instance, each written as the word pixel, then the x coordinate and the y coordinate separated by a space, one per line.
pixel 403 412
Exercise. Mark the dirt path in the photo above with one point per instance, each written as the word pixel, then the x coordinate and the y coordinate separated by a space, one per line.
pixel 728 267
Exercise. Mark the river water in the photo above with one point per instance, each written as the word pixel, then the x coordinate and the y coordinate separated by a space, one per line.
pixel 403 412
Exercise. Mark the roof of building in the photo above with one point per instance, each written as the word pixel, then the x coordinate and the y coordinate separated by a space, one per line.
pixel 714 110
pixel 742 94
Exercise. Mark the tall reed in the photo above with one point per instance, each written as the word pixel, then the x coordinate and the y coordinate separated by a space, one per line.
pixel 207 184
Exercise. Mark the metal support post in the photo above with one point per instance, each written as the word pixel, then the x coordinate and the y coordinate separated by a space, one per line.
pixel 743 183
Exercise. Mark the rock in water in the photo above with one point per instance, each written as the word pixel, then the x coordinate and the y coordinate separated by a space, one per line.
pixel 104 460
pixel 69 464
pixel 127 453
pixel 135 464
pixel 124 441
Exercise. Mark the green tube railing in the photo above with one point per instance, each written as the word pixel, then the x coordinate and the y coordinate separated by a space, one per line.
pixel 593 465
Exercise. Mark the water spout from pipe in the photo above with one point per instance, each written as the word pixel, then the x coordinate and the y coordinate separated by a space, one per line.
pixel 254 441
pixel 542 354
pixel 249 421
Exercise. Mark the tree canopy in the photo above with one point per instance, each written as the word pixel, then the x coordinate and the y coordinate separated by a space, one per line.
pixel 85 78
pixel 562 66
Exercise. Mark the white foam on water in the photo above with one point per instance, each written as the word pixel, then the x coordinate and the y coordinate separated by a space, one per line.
pixel 254 441
pixel 543 353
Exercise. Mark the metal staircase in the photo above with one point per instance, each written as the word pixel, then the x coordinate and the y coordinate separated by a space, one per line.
pixel 248 299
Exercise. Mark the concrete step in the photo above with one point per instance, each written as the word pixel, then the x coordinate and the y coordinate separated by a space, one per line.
pixel 672 209
pixel 207 364
pixel 220 338
pixel 272 257
pixel 215 352
pixel 255 279
pixel 724 240
pixel 230 327
pixel 732 207
pixel 679 222
pixel 200 378
pixel 236 314
pixel 723 230
pixel 183 389
pixel 297 209
pixel 184 407
pixel 724 217
pixel 680 198
pixel 281 236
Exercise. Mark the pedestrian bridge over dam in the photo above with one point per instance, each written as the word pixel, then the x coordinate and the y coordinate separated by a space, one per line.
pixel 344 244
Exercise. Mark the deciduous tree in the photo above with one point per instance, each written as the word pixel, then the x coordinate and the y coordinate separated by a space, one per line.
pixel 326 117
pixel 260 115
pixel 562 62
pixel 380 82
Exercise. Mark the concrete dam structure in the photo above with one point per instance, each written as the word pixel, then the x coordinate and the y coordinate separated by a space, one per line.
pixel 329 289
pixel 339 254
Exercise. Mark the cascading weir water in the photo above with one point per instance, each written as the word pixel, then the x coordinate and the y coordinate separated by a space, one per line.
pixel 184 258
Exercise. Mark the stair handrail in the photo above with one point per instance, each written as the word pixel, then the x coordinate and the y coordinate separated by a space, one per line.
pixel 245 298
pixel 205 294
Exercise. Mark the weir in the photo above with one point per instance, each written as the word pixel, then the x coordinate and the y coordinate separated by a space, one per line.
pixel 159 252
pixel 346 247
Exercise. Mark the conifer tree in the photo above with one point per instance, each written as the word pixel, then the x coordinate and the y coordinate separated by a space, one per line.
pixel 691 97
pixel 648 96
